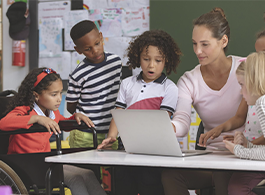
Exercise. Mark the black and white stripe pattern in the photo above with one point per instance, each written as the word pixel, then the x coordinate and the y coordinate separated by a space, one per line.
pixel 255 152
pixel 95 88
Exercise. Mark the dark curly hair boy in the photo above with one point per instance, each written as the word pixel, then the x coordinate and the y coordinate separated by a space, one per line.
pixel 166 45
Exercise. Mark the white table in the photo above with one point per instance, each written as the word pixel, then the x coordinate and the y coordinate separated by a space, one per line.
pixel 217 160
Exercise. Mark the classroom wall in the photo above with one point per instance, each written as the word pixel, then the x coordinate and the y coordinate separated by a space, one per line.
pixel 175 16
pixel 12 75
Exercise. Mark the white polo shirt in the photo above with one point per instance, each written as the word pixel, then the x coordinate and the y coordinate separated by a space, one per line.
pixel 160 94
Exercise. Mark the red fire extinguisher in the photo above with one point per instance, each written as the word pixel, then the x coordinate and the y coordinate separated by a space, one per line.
pixel 18 52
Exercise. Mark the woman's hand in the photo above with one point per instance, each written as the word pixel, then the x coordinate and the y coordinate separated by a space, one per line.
pixel 50 124
pixel 229 145
pixel 80 117
pixel 214 133
pixel 106 143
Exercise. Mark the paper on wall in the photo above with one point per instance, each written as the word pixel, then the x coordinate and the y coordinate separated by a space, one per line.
pixel 111 24
pixel 141 3
pixel 95 16
pixel 132 21
pixel 62 65
pixel 53 9
pixel 50 37
pixel 146 19
pixel 95 4
pixel 193 115
pixel 76 58
pixel 70 19
pixel 118 46
pixel 120 3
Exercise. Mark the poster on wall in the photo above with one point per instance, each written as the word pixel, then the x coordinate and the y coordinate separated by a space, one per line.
pixel 50 37
pixel 76 58
pixel 70 19
pixel 92 4
pixel 111 22
pixel 118 46
pixel 134 21
pixel 53 9
pixel 62 64
pixel 118 20
pixel 141 3
pixel 120 3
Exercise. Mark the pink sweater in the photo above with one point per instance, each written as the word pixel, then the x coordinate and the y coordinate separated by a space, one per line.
pixel 213 107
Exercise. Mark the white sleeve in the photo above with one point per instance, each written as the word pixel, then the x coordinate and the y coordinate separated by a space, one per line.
pixel 260 109
pixel 254 152
pixel 170 99
pixel 121 98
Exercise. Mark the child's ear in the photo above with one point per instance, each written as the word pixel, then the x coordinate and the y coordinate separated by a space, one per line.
pixel 36 95
pixel 77 50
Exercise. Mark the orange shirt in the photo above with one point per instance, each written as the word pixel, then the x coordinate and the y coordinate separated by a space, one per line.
pixel 28 142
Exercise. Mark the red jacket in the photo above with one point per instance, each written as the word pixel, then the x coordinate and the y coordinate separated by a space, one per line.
pixel 28 142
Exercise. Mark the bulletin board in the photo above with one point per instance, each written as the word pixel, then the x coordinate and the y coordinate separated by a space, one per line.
pixel 50 44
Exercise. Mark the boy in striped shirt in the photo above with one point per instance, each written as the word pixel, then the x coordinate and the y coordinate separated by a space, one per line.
pixel 93 86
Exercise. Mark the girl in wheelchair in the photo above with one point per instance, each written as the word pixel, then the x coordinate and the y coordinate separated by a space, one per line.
pixel 37 101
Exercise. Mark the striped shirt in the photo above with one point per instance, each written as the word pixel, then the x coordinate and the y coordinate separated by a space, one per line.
pixel 256 152
pixel 95 87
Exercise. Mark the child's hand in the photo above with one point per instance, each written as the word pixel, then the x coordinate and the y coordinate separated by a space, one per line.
pixel 80 117
pixel 106 143
pixel 240 139
pixel 229 138
pixel 50 124
pixel 229 145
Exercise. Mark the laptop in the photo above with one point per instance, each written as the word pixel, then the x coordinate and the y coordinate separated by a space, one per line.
pixel 149 132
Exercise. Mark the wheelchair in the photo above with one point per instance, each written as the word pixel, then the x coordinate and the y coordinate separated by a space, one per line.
pixel 26 173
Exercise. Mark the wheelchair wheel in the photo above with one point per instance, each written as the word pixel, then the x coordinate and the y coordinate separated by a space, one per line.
pixel 10 178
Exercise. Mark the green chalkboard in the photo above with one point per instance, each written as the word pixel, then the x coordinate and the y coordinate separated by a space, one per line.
pixel 245 19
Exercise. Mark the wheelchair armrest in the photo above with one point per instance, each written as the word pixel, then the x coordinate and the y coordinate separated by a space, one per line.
pixel 67 125
pixel 33 129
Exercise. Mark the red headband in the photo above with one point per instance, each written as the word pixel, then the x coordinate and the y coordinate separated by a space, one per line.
pixel 43 74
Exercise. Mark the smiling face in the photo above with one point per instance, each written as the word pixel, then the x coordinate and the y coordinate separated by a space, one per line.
pixel 152 63
pixel 51 98
pixel 207 48
pixel 91 45
pixel 250 99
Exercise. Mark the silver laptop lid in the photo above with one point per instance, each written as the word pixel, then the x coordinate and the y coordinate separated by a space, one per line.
pixel 147 132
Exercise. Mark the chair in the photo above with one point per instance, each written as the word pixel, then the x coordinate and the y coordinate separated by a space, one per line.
pixel 26 173
pixel 259 190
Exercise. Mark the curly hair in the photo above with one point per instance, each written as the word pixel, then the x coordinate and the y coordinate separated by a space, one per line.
pixel 166 45
pixel 25 96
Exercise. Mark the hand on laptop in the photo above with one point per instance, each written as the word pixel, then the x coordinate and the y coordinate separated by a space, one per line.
pixel 214 133
pixel 106 143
